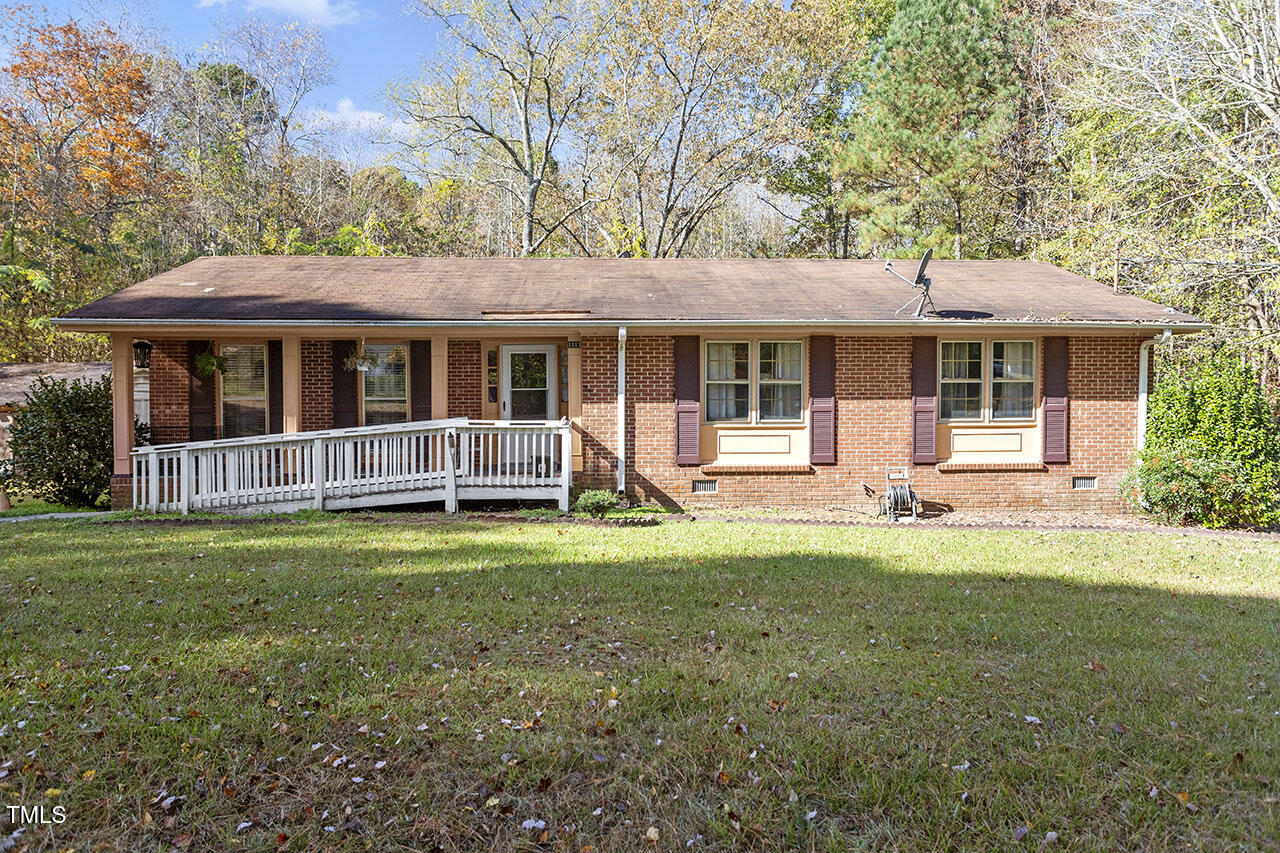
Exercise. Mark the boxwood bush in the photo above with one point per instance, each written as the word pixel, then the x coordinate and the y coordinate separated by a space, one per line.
pixel 595 502
pixel 61 441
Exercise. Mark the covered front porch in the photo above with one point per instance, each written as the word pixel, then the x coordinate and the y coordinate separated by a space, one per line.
pixel 302 420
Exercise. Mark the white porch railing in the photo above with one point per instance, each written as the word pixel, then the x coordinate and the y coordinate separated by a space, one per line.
pixel 448 460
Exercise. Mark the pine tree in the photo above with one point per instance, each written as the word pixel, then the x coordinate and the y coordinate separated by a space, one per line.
pixel 925 138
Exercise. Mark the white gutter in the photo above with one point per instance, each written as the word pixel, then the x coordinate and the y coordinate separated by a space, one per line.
pixel 1144 359
pixel 569 323
pixel 622 410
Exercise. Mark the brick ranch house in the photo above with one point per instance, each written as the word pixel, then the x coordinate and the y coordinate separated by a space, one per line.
pixel 766 382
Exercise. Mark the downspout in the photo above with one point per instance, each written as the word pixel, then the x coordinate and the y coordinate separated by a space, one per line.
pixel 622 410
pixel 1144 359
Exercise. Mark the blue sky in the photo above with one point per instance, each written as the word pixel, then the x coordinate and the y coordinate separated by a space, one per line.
pixel 372 41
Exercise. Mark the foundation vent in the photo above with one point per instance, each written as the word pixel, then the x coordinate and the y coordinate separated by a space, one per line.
pixel 706 487
pixel 1084 482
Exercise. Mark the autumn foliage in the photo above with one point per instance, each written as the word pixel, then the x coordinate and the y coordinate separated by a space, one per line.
pixel 73 120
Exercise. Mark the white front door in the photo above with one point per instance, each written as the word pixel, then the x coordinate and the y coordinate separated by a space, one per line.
pixel 528 382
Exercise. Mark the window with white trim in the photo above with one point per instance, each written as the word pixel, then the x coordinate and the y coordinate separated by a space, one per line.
pixel 1013 380
pixel 960 381
pixel 754 381
pixel 244 390
pixel 780 379
pixel 386 385
pixel 728 381
pixel 986 381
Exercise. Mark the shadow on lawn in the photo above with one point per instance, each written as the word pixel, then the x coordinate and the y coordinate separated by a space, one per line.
pixel 865 676
pixel 291 577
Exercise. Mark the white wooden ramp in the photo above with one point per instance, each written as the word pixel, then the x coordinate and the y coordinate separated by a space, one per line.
pixel 443 460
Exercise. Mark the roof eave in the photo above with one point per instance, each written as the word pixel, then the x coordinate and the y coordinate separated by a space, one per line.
pixel 93 325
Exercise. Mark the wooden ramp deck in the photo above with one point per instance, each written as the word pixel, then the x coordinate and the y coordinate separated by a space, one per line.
pixel 415 462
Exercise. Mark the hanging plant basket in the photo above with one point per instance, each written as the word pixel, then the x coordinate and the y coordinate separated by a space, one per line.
pixel 208 364
pixel 361 360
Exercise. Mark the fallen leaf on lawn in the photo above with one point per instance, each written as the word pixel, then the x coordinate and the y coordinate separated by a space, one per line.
pixel 652 835
pixel 243 825
pixel 1095 666
pixel 1119 728
pixel 1185 799
pixel 722 778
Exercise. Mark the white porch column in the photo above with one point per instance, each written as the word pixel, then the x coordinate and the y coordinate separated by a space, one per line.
pixel 291 384
pixel 439 377
pixel 122 403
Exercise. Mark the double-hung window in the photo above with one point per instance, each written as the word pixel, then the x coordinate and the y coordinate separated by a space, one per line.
pixel 986 381
pixel 1013 380
pixel 386 385
pixel 781 377
pixel 728 381
pixel 754 381
pixel 244 390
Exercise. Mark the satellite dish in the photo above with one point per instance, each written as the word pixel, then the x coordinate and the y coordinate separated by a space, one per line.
pixel 924 262
pixel 921 281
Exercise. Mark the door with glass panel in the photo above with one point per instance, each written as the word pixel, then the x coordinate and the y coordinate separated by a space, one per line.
pixel 529 394
pixel 244 391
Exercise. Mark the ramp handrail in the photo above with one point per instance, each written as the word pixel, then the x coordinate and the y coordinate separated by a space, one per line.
pixel 358 466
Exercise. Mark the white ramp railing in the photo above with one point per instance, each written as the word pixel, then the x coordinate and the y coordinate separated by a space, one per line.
pixel 448 460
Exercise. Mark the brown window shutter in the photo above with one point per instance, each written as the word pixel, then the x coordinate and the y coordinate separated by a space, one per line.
pixel 202 399
pixel 1055 444
pixel 822 400
pixel 924 401
pixel 275 387
pixel 687 399
pixel 346 407
pixel 419 380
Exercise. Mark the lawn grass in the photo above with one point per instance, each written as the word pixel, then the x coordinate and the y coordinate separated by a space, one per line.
pixel 355 685
pixel 27 505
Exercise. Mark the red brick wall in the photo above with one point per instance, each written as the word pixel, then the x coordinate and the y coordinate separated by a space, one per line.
pixel 317 385
pixel 873 415
pixel 466 385
pixel 170 392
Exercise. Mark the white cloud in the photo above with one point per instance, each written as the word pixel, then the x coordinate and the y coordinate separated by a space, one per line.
pixel 347 117
pixel 326 13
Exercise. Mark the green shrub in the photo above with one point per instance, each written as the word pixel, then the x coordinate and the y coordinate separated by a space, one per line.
pixel 1180 487
pixel 1212 453
pixel 61 440
pixel 595 502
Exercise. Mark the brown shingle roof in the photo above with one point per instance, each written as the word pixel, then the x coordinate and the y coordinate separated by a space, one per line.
pixel 502 291
pixel 17 377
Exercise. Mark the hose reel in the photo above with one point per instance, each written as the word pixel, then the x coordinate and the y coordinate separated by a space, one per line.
pixel 899 499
